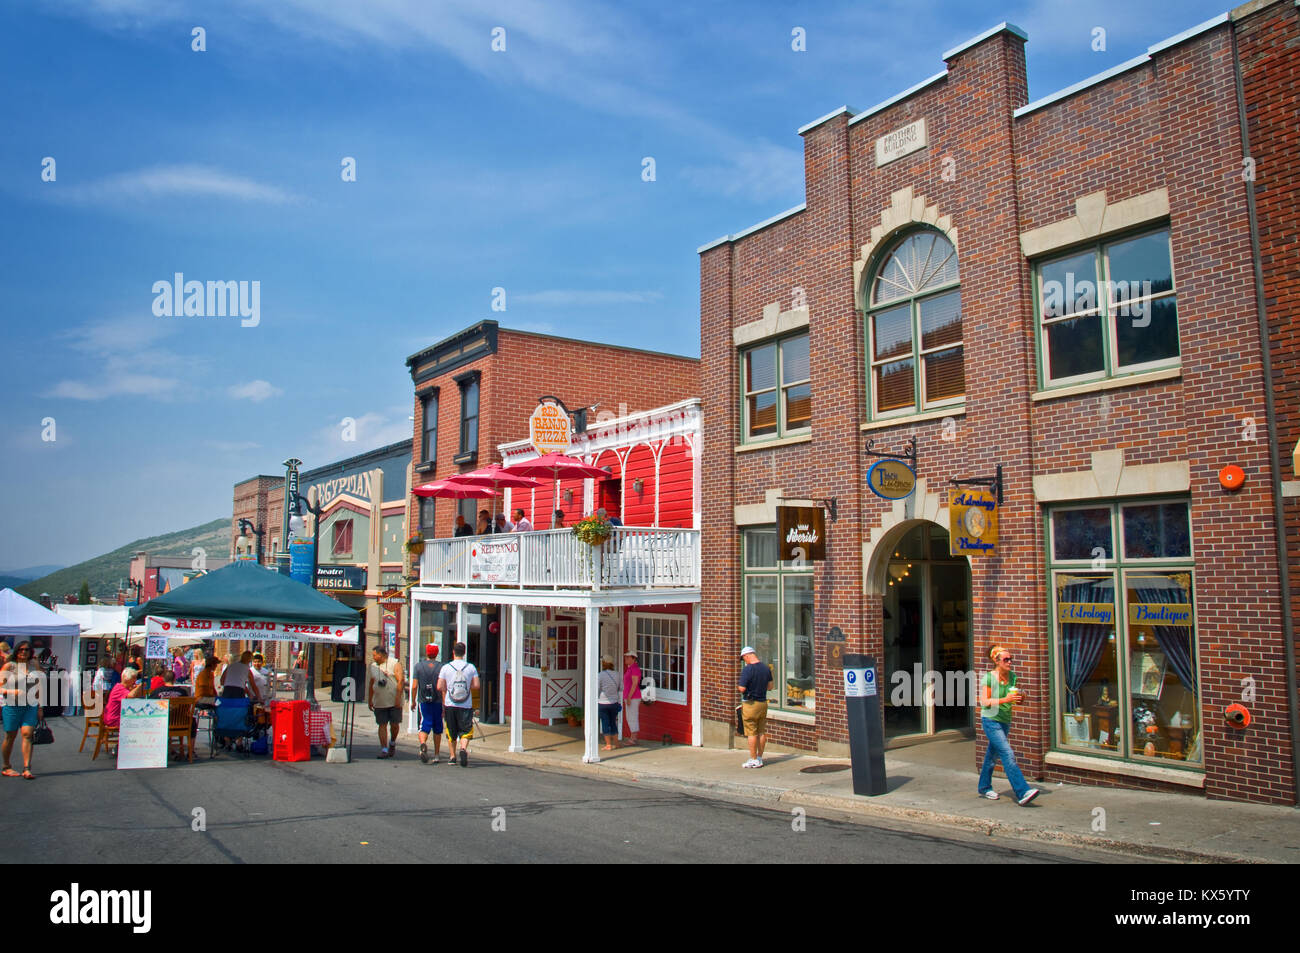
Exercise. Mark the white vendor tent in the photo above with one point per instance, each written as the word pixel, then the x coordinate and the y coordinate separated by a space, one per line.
pixel 24 620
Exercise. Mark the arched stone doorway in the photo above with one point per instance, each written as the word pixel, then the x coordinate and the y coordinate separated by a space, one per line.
pixel 925 598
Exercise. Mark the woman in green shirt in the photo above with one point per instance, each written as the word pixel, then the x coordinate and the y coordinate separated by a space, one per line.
pixel 998 697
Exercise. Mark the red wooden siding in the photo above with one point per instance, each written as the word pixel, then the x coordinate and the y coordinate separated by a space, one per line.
pixel 639 508
pixel 675 477
pixel 532 698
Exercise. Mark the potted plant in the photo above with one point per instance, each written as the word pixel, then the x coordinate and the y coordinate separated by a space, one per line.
pixel 573 715
pixel 593 530
pixel 415 545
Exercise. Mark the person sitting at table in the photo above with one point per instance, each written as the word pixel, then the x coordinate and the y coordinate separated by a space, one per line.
pixel 237 679
pixel 522 523
pixel 156 680
pixel 129 687
pixel 503 525
pixel 613 520
pixel 169 688
pixel 484 523
pixel 261 676
pixel 462 528
pixel 205 685
pixel 557 519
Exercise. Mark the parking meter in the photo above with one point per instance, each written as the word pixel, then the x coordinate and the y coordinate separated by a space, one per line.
pixel 866 733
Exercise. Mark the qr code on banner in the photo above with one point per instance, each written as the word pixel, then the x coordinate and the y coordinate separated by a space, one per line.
pixel 155 646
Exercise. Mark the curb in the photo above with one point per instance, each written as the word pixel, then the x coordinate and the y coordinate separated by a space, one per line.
pixel 863 808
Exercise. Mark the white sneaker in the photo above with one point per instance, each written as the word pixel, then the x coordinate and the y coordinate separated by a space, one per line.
pixel 752 763
pixel 991 795
pixel 1029 796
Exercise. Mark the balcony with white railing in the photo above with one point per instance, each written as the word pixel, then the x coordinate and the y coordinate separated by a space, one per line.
pixel 632 558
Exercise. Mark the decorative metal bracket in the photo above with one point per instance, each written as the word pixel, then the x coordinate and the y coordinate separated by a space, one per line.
pixel 994 483
pixel 909 454
pixel 831 503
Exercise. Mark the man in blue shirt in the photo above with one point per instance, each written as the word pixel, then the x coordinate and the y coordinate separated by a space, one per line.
pixel 755 682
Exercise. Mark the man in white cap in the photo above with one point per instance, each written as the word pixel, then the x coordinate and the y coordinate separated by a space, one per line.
pixel 754 684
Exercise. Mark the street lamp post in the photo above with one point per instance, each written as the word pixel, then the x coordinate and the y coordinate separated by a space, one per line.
pixel 316 511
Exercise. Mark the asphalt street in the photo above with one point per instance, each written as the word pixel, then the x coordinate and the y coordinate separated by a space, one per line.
pixel 251 810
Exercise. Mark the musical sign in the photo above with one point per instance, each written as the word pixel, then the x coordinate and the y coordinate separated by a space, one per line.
pixel 801 533
pixel 341 578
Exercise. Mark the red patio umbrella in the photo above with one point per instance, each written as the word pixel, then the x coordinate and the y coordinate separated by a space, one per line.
pixel 495 476
pixel 556 466
pixel 452 489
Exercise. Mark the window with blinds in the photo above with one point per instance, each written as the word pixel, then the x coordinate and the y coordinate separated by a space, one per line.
pixel 914 328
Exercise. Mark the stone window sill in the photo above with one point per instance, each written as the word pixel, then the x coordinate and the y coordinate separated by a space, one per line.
pixel 779 442
pixel 1149 772
pixel 1110 383
pixel 958 410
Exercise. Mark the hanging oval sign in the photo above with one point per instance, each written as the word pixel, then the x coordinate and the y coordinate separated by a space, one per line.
pixel 891 479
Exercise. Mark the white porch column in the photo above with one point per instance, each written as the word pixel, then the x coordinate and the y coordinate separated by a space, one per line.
pixel 462 626
pixel 590 707
pixel 516 678
pixel 697 724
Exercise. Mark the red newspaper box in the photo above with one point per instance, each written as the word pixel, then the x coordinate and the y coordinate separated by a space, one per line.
pixel 289 731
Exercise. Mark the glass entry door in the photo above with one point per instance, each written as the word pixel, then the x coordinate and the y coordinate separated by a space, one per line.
pixel 927 637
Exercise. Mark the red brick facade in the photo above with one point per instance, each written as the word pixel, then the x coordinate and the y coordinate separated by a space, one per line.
pixel 512 375
pixel 986 177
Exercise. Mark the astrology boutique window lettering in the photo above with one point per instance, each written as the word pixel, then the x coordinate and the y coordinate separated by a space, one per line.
pixel 661 652
pixel 778 606
pixel 1125 631
pixel 776 388
pixel 914 328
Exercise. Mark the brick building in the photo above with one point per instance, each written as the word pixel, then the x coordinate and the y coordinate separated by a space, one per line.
pixel 483 383
pixel 1041 288
pixel 474 392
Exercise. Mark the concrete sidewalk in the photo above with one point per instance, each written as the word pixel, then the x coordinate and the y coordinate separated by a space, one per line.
pixel 932 784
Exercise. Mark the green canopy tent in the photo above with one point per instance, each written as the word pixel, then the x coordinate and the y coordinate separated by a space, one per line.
pixel 246 601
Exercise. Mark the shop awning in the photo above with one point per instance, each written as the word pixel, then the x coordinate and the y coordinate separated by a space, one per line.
pixel 247 601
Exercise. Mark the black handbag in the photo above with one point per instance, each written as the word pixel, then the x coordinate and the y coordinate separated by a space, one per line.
pixel 42 735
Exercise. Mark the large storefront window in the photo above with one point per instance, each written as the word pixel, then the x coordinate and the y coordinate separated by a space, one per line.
pixel 779 619
pixel 1125 631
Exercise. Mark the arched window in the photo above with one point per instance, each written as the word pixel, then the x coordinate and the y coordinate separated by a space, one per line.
pixel 913 332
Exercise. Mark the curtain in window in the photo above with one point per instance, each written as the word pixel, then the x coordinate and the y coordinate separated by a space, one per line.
pixel 1082 642
pixel 1175 640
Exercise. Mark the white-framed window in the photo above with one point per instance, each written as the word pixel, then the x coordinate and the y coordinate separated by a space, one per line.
pixel 1107 310
pixel 534 635
pixel 915 354
pixel 661 651
pixel 776 389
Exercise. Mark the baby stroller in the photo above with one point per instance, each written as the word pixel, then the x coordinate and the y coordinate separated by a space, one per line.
pixel 235 727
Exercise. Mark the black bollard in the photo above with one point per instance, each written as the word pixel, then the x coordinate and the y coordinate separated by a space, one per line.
pixel 866 733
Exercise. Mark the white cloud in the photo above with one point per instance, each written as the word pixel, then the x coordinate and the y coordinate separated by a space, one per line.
pixel 755 172
pixel 114 385
pixel 556 298
pixel 172 181
pixel 255 391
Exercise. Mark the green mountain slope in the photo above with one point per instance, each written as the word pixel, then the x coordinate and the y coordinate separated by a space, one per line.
pixel 105 572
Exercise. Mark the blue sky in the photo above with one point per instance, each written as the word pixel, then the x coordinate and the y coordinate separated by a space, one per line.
pixel 475 169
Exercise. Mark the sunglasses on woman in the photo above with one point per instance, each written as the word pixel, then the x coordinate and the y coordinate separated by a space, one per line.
pixel 1005 658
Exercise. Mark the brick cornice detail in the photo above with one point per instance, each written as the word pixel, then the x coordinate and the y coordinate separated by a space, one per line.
pixel 905 208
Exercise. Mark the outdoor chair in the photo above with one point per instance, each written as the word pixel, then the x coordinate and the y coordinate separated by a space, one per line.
pixel 93 723
pixel 234 723
pixel 180 724
pixel 107 735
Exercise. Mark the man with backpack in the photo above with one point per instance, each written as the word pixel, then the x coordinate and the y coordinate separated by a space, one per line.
pixel 458 681
pixel 424 693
